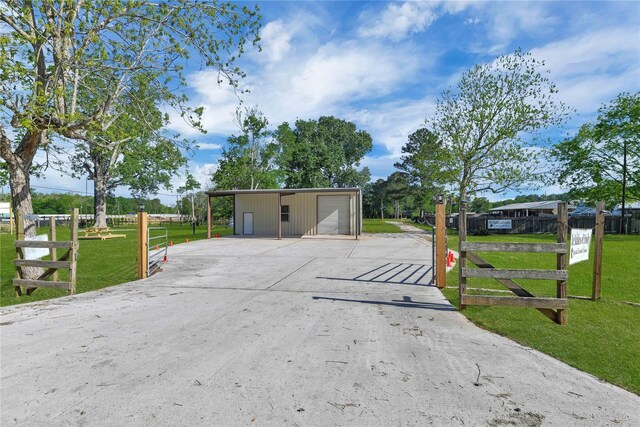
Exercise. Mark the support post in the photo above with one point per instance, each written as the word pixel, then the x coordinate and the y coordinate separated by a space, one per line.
pixel 358 213
pixel 53 251
pixel 441 245
pixel 279 216
pixel 462 257
pixel 208 217
pixel 561 264
pixel 597 259
pixel 143 250
pixel 73 255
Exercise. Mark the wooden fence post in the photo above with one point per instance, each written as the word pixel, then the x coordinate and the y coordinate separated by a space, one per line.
pixel 73 254
pixel 441 246
pixel 462 257
pixel 143 250
pixel 52 238
pixel 19 218
pixel 597 258
pixel 561 285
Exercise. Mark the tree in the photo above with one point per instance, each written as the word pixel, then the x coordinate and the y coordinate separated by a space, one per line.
pixel 248 160
pixel 373 199
pixel 480 205
pixel 483 124
pixel 188 187
pixel 133 152
pixel 54 53
pixel 422 159
pixel 323 153
pixel 602 161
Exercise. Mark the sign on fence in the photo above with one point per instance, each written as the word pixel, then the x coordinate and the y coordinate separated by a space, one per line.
pixel 580 243
pixel 499 224
pixel 36 253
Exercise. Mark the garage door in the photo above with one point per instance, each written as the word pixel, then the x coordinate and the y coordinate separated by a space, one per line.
pixel 333 214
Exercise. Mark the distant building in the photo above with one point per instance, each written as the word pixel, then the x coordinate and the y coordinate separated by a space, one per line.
pixel 629 209
pixel 294 212
pixel 517 210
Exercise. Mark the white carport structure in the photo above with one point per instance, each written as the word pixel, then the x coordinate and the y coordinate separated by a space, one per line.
pixel 293 212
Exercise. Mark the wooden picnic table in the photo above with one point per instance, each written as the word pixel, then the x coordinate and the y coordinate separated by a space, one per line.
pixel 100 233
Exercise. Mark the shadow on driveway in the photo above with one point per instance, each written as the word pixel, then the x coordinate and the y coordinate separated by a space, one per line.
pixel 406 303
pixel 395 274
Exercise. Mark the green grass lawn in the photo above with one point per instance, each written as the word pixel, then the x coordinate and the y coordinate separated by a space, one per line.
pixel 602 337
pixel 374 225
pixel 101 263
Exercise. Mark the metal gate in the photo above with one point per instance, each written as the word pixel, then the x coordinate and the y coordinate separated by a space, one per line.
pixel 157 244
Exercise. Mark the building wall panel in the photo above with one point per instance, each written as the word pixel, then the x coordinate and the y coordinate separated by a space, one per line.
pixel 265 210
pixel 303 213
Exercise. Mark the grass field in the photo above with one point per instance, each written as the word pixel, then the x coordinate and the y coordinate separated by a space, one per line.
pixel 370 225
pixel 101 263
pixel 602 337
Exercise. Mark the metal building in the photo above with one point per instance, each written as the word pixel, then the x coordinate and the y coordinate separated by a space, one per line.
pixel 294 212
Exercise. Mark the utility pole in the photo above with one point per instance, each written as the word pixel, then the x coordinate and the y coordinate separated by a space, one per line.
pixel 193 214
pixel 623 228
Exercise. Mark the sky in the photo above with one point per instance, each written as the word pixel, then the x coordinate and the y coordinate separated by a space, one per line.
pixel 382 65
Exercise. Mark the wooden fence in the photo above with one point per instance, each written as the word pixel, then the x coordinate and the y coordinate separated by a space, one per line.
pixel 540 224
pixel 49 278
pixel 553 308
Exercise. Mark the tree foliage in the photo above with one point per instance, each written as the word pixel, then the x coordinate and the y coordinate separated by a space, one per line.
pixel 248 160
pixel 592 163
pixel 323 153
pixel 66 67
pixel 485 124
pixel 423 159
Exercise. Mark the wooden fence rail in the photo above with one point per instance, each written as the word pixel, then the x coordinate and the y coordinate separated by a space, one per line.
pixel 49 278
pixel 541 224
pixel 553 308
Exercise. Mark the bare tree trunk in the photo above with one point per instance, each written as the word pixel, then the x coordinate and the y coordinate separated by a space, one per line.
pixel 100 201
pixel 19 165
pixel 100 174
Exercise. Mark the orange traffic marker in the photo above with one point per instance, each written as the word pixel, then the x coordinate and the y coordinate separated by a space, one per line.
pixel 157 247
pixel 187 241
pixel 171 243
pixel 165 259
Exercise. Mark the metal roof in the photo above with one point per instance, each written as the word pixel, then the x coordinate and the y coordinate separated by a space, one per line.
pixel 283 191
pixel 549 204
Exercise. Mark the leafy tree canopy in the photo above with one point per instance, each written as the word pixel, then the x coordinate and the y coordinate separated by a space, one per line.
pixel 323 153
pixel 248 160
pixel 603 155
pixel 483 124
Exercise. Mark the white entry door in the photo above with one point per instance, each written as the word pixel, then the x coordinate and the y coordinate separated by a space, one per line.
pixel 333 215
pixel 247 223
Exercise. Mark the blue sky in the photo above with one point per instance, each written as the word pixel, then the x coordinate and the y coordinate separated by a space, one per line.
pixel 382 65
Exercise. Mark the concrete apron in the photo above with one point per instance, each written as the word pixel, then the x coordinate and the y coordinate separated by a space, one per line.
pixel 290 332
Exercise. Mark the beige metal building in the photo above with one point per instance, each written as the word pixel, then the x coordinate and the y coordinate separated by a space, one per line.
pixel 294 212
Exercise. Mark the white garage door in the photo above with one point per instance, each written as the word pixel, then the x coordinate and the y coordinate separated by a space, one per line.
pixel 333 214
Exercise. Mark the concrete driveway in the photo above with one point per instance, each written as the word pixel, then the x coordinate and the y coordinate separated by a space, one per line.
pixel 292 332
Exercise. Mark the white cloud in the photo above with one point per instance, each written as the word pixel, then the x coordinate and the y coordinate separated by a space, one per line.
pixel 219 102
pixel 381 166
pixel 349 71
pixel 471 21
pixel 398 20
pixel 275 40
pixel 591 69
pixel 206 146
pixel 391 123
